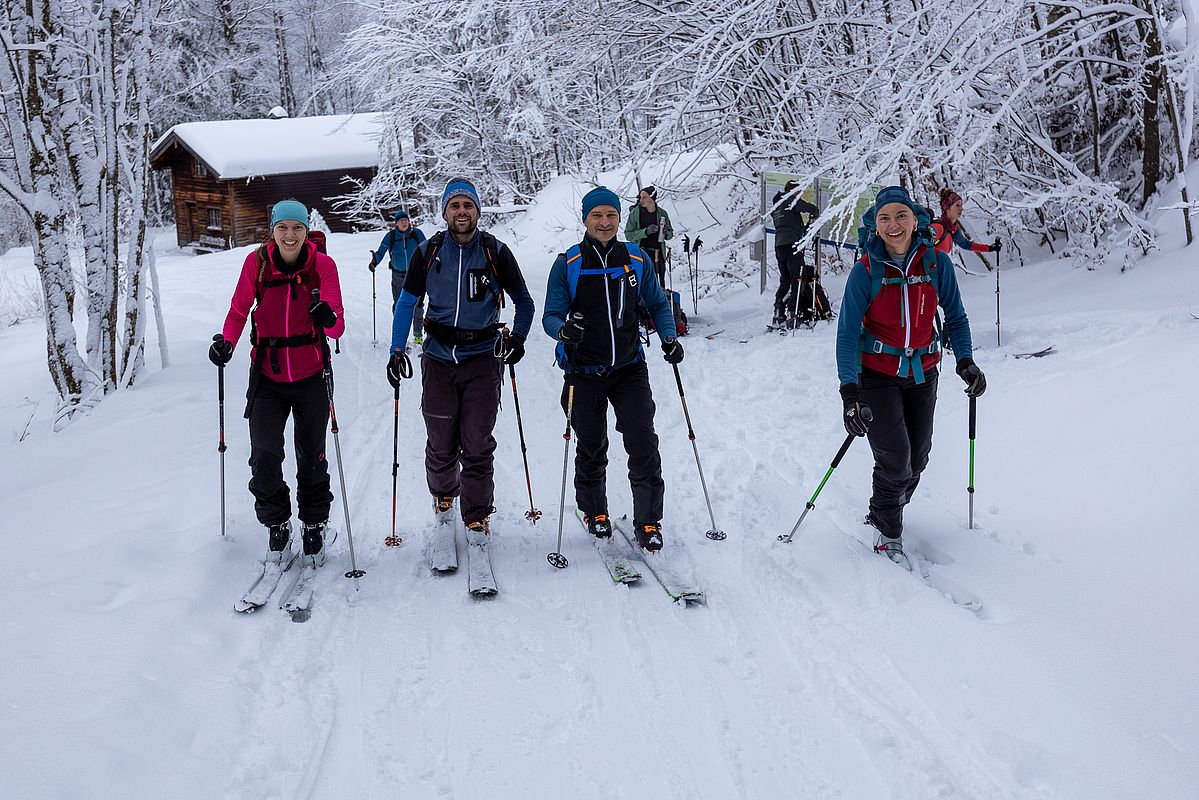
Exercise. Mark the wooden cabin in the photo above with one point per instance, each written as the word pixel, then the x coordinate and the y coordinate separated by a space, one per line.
pixel 225 176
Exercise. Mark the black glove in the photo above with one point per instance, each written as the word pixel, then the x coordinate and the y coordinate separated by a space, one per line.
pixel 513 348
pixel 672 351
pixel 856 416
pixel 221 351
pixel 996 246
pixel 371 267
pixel 968 371
pixel 572 331
pixel 398 368
pixel 650 230
pixel 322 314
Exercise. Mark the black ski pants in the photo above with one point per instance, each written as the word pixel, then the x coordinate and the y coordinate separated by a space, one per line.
pixel 418 313
pixel 307 402
pixel 460 403
pixel 791 270
pixel 657 254
pixel 627 390
pixel 901 436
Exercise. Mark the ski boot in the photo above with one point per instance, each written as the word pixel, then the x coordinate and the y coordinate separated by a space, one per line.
pixel 442 505
pixel 279 547
pixel 598 526
pixel 477 532
pixel 314 543
pixel 649 536
pixel 892 549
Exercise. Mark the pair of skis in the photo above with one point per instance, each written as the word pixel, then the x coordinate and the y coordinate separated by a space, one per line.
pixel 443 556
pixel 626 568
pixel 296 598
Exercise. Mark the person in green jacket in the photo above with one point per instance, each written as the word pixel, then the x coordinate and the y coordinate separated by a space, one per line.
pixel 649 227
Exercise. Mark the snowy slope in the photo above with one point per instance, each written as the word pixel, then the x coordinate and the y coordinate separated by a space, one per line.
pixel 816 670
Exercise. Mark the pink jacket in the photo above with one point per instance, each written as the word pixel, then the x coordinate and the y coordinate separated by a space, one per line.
pixel 282 311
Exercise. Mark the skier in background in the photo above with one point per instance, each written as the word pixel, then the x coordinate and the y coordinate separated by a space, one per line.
pixel 464 272
pixel 787 210
pixel 400 244
pixel 947 229
pixel 888 353
pixel 591 309
pixel 648 226
pixel 288 356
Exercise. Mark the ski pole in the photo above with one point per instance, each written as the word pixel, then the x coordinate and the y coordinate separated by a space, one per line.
pixel 556 558
pixel 374 315
pixel 970 488
pixel 787 537
pixel 695 278
pixel 713 533
pixel 532 514
pixel 405 372
pixel 327 373
pixel 997 329
pixel 220 448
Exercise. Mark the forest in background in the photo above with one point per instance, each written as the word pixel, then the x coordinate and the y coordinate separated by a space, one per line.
pixel 1059 120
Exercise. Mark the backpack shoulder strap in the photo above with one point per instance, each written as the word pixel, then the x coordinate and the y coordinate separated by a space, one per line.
pixel 574 265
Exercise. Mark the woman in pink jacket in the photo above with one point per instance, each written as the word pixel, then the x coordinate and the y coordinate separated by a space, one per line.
pixel 289 291
pixel 947 230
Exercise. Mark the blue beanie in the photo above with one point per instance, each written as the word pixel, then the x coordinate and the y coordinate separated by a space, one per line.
pixel 600 196
pixel 459 187
pixel 893 194
pixel 289 209
pixel 399 215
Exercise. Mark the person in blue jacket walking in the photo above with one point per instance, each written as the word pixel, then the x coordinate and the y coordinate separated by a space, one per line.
pixel 464 272
pixel 400 245
pixel 591 308
pixel 889 352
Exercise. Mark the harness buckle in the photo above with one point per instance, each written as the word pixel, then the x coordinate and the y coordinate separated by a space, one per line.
pixel 909 351
pixel 877 347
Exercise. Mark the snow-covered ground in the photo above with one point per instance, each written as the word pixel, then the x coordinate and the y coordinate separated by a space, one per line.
pixel 816 670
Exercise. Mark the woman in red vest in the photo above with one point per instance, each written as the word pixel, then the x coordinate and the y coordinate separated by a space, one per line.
pixel 947 229
pixel 889 354
pixel 287 333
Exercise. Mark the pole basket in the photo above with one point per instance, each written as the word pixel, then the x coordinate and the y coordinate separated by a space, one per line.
pixel 393 541
pixel 532 515
pixel 557 560
pixel 716 536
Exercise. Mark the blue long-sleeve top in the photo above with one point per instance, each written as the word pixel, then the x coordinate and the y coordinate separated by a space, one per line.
pixel 856 301
pixel 447 283
pixel 400 246
pixel 611 337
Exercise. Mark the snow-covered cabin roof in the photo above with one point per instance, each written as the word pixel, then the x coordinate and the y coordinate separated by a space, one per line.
pixel 246 148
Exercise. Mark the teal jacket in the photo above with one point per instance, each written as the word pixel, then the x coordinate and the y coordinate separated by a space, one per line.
pixel 635 233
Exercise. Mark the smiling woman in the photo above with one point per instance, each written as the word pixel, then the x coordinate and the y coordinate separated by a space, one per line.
pixel 290 292
pixel 889 352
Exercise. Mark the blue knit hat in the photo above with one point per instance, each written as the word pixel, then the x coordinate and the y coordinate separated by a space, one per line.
pixel 893 194
pixel 459 187
pixel 599 196
pixel 399 215
pixel 289 210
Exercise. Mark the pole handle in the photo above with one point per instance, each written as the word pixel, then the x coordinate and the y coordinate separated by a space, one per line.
pixel 973 415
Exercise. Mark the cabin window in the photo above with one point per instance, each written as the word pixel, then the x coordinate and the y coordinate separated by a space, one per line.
pixel 198 169
pixel 214 219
